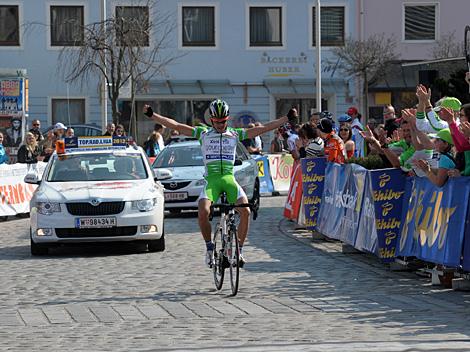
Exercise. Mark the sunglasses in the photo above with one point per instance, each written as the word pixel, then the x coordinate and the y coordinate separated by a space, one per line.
pixel 344 129
pixel 219 122
pixel 36 124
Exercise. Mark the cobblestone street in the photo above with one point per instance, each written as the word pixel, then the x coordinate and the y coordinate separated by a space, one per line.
pixel 295 295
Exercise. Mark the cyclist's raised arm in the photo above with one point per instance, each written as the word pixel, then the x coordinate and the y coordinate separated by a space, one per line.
pixel 167 122
pixel 292 117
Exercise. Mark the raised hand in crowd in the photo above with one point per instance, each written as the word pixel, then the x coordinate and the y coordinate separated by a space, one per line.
pixel 368 135
pixel 409 115
pixel 454 173
pixel 397 135
pixel 465 128
pixel 422 93
pixel 447 115
pixel 423 165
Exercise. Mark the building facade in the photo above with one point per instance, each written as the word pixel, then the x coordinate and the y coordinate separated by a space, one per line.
pixel 257 55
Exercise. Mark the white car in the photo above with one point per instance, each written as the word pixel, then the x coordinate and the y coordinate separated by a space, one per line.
pixel 92 195
pixel 183 162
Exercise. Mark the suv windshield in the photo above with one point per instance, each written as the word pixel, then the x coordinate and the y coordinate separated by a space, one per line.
pixel 179 157
pixel 97 167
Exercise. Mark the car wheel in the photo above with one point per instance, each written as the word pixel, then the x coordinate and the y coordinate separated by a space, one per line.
pixel 38 249
pixel 157 245
pixel 255 200
pixel 175 211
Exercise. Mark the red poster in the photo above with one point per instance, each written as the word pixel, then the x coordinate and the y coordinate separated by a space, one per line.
pixel 294 197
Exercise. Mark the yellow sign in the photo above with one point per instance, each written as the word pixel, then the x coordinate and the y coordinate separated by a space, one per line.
pixel 260 168
pixel 383 98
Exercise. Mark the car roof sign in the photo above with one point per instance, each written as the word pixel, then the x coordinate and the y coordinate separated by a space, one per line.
pixel 80 144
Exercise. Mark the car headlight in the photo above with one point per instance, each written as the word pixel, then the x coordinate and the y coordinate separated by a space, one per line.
pixel 200 183
pixel 144 204
pixel 47 208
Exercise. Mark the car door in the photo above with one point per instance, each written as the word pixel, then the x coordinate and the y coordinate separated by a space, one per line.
pixel 245 173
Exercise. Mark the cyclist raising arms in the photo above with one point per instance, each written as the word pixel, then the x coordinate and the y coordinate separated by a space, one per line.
pixel 219 144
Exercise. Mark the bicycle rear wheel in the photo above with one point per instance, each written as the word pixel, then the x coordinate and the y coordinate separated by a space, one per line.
pixel 233 254
pixel 218 267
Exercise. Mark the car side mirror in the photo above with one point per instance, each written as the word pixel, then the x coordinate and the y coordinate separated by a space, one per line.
pixel 162 174
pixel 238 162
pixel 32 179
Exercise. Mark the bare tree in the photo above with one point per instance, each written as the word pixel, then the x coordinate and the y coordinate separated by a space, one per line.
pixel 447 47
pixel 367 60
pixel 129 47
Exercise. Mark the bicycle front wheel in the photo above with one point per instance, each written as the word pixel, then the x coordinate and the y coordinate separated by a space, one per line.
pixel 218 267
pixel 234 257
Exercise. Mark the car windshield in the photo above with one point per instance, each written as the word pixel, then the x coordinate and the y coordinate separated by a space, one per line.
pixel 179 157
pixel 97 167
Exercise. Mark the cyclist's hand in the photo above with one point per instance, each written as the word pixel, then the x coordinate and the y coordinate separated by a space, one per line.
pixel 293 115
pixel 148 110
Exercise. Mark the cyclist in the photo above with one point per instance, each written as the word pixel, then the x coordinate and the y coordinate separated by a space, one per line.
pixel 219 144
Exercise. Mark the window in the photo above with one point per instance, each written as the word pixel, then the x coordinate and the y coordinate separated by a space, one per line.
pixel 9 26
pixel 420 22
pixel 68 111
pixel 265 26
pixel 133 23
pixel 198 26
pixel 332 26
pixel 67 25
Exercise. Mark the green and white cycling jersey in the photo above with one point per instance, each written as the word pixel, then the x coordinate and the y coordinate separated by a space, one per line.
pixel 219 149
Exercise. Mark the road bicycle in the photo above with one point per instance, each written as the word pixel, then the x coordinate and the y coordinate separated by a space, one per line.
pixel 226 246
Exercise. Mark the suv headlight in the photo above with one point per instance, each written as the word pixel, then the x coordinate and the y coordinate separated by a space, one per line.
pixel 144 204
pixel 47 208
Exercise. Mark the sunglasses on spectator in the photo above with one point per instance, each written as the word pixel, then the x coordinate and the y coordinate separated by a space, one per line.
pixel 36 124
pixel 344 129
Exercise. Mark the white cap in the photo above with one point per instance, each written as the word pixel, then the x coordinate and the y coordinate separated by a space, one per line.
pixel 59 125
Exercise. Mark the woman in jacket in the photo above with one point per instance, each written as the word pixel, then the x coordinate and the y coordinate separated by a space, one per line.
pixel 29 151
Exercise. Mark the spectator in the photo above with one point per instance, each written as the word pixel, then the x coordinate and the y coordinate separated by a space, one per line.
pixel 357 128
pixel 36 125
pixel 312 145
pixel 110 128
pixel 390 120
pixel 345 132
pixel 29 152
pixel 59 130
pixel 152 146
pixel 159 130
pixel 314 119
pixel 70 132
pixel 119 132
pixel 258 140
pixel 334 146
pixel 250 143
pixel 278 144
pixel 443 144
pixel 3 153
pixel 48 145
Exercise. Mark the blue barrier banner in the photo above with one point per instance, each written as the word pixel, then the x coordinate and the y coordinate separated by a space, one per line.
pixel 388 188
pixel 341 202
pixel 313 177
pixel 466 247
pixel 265 182
pixel 432 222
pixel 366 239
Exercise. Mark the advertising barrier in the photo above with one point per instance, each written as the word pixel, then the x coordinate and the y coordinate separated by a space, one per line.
pixel 280 167
pixel 388 189
pixel 313 177
pixel 14 193
pixel 264 174
pixel 294 196
pixel 433 221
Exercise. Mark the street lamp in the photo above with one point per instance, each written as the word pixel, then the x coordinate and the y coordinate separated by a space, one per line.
pixel 318 55
pixel 104 98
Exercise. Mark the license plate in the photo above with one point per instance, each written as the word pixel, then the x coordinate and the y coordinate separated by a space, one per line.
pixel 86 223
pixel 176 195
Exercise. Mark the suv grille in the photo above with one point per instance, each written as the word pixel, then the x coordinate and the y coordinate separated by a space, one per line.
pixel 171 186
pixel 86 209
pixel 106 232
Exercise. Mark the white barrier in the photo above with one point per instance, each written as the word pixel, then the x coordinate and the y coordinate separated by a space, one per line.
pixel 14 193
